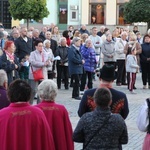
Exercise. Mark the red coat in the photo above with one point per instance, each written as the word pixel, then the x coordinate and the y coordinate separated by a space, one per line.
pixel 24 127
pixel 58 119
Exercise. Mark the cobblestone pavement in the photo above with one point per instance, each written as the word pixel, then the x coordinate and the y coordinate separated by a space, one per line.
pixel 135 101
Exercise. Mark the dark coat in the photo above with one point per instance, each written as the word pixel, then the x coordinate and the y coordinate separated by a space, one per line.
pixel 23 48
pixel 145 52
pixel 42 36
pixel 53 46
pixel 119 103
pixel 62 51
pixel 84 31
pixel 75 61
pixel 4 102
pixel 109 137
pixel 9 67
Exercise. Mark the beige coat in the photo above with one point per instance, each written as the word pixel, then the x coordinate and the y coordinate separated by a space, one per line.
pixel 138 50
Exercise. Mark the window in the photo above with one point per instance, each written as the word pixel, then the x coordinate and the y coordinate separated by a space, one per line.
pixel 120 14
pixel 97 14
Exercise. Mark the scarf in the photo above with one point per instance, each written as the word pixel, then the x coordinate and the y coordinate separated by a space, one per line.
pixel 11 56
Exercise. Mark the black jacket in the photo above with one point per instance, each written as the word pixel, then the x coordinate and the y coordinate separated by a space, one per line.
pixel 9 67
pixel 23 48
pixel 62 51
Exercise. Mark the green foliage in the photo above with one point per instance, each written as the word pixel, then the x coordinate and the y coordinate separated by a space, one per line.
pixel 28 9
pixel 137 11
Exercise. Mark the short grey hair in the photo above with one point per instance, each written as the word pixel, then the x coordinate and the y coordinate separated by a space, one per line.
pixel 61 39
pixel 75 39
pixel 46 41
pixel 3 77
pixel 87 40
pixel 47 90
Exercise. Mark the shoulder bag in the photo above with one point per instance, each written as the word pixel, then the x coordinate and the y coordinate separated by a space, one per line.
pixel 97 131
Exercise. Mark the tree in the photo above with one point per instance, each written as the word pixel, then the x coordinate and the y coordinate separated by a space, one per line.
pixel 137 11
pixel 28 9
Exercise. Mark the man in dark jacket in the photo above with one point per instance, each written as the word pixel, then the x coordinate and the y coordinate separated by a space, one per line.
pixel 24 46
pixel 84 30
pixel 75 65
pixel 4 102
pixel 119 100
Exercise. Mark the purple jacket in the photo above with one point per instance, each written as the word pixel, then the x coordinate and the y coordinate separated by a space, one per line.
pixel 89 56
pixel 3 98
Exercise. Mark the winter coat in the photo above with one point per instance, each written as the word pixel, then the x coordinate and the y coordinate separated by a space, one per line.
pixel 75 61
pixel 23 48
pixel 111 135
pixel 36 62
pixel 119 49
pixel 9 67
pixel 145 52
pixel 131 64
pixel 138 49
pixel 62 51
pixel 89 57
pixel 108 49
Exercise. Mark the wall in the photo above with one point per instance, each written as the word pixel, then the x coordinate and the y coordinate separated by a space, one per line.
pixel 53 16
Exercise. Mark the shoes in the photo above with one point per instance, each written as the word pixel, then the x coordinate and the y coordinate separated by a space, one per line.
pixel 118 84
pixel 144 86
pixel 66 88
pixel 134 88
pixel 77 98
pixel 81 92
pixel 71 85
pixel 132 92
pixel 124 84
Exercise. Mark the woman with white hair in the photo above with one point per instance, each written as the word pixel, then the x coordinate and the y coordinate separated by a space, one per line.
pixel 62 64
pixel 57 115
pixel 89 56
pixel 4 102
pixel 47 44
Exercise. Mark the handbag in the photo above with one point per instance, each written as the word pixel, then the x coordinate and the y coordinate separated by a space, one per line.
pixel 37 74
pixel 97 131
pixel 143 117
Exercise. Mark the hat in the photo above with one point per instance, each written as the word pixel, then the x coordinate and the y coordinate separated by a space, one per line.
pixel 75 39
pixel 108 73
pixel 1 34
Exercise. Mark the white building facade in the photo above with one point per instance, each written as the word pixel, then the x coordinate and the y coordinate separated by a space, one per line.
pixel 89 12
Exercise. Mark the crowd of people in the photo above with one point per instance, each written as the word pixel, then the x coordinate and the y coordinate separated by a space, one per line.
pixel 73 57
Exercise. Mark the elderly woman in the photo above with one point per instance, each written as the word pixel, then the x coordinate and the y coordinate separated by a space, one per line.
pixel 56 114
pixel 75 62
pixel 38 59
pixel 4 102
pixel 108 50
pixel 47 44
pixel 24 124
pixel 89 56
pixel 101 129
pixel 62 64
pixel 9 62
